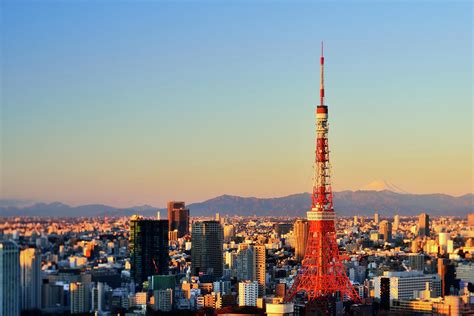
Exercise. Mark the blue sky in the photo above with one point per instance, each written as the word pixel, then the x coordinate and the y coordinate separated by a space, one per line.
pixel 125 102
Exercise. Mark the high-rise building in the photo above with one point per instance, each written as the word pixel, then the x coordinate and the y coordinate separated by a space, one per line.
pixel 248 293
pixel 148 248
pixel 280 290
pixel 251 260
pixel 9 279
pixel 416 261
pixel 207 248
pixel 30 275
pixel 229 231
pixel 424 225
pixel 465 272
pixel 178 217
pixel 80 297
pixel 98 296
pixel 443 240
pixel 470 219
pixel 376 218
pixel 447 273
pixel 300 229
pixel 396 222
pixel 385 229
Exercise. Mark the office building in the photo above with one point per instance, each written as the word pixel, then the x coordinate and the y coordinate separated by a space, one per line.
pixel 251 261
pixel 80 294
pixel 282 228
pixel 148 248
pixel 416 261
pixel 470 219
pixel 248 293
pixel 9 279
pixel 376 218
pixel 300 230
pixel 443 242
pixel 98 296
pixel 447 273
pixel 280 290
pixel 229 231
pixel 404 285
pixel 178 217
pixel 385 229
pixel 424 225
pixel 30 276
pixel 163 300
pixel 396 223
pixel 465 272
pixel 207 248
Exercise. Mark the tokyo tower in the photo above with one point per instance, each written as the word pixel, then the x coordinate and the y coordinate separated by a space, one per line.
pixel 322 275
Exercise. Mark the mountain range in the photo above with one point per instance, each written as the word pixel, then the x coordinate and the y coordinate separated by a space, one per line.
pixel 346 203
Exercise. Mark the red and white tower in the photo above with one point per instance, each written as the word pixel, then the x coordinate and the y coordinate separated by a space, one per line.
pixel 322 275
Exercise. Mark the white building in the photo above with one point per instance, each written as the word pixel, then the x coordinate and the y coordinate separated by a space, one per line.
pixel 465 272
pixel 30 275
pixel 248 293
pixel 405 285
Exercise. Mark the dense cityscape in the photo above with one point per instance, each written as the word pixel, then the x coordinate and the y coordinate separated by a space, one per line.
pixel 225 265
pixel 158 104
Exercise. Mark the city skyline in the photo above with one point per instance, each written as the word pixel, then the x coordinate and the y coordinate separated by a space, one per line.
pixel 180 105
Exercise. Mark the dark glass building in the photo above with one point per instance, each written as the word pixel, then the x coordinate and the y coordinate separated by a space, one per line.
pixel 148 248
pixel 206 253
pixel 178 217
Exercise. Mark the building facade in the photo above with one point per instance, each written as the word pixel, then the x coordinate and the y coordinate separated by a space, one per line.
pixel 148 248
pixel 9 279
pixel 248 293
pixel 30 275
pixel 300 230
pixel 207 248
pixel 178 217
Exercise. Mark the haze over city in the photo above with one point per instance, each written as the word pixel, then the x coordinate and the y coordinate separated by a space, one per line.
pixel 129 105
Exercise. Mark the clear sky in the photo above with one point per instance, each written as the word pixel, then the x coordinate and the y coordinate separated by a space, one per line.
pixel 133 102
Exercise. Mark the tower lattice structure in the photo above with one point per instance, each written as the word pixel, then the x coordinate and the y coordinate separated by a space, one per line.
pixel 322 275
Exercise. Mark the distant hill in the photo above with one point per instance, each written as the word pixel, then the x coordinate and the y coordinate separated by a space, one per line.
pixel 346 203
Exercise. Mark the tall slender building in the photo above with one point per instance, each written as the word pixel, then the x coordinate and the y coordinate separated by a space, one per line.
pixel 300 229
pixel 207 240
pixel 30 268
pixel 148 248
pixel 178 217
pixel 322 276
pixel 396 222
pixel 251 260
pixel 424 225
pixel 385 228
pixel 9 279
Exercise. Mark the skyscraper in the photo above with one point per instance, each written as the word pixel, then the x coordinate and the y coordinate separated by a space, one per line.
pixel 178 217
pixel 80 297
pixel 424 225
pixel 396 222
pixel 9 279
pixel 251 265
pixel 207 248
pixel 300 229
pixel 376 218
pixel 148 248
pixel 30 268
pixel 385 228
